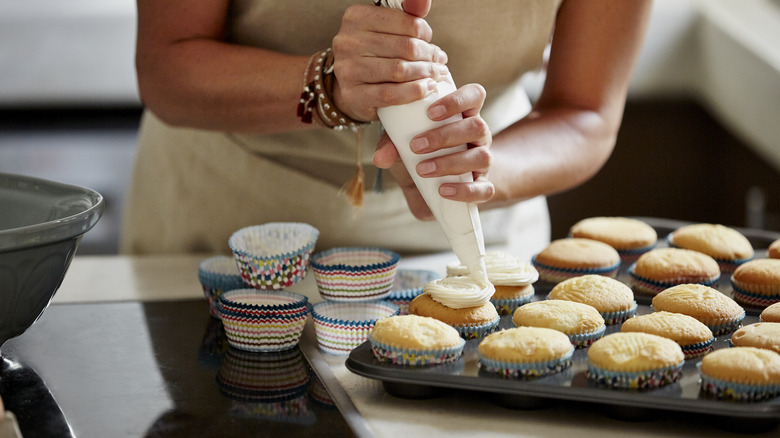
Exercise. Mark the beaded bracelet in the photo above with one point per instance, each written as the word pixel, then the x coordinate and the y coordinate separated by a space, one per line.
pixel 317 94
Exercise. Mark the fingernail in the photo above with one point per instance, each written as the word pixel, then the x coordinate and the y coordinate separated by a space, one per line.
pixel 447 191
pixel 431 84
pixel 443 58
pixel 418 144
pixel 444 71
pixel 435 112
pixel 426 168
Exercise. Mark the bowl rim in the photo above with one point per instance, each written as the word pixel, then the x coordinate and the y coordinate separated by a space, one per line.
pixel 56 230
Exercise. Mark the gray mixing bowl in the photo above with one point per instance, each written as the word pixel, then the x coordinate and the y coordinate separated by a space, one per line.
pixel 41 225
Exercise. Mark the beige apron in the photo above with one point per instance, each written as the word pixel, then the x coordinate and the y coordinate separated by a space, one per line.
pixel 192 188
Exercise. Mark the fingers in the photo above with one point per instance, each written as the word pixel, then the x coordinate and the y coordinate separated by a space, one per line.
pixel 480 190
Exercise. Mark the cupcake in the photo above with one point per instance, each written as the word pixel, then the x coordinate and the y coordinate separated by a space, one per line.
pixel 771 313
pixel 741 374
pixel 460 302
pixel 583 324
pixel 760 335
pixel 715 310
pixel 512 278
pixel 415 340
pixel 525 352
pixel 663 268
pixel 726 245
pixel 691 335
pixel 634 361
pixel 630 237
pixel 613 299
pixel 757 282
pixel 218 274
pixel 773 252
pixel 408 284
pixel 572 257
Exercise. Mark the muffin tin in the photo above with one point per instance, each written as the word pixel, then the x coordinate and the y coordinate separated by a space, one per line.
pixel 572 384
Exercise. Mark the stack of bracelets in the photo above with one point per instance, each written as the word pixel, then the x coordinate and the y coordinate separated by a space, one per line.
pixel 317 93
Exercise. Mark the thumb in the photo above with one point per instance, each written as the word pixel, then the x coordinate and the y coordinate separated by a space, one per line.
pixel 418 8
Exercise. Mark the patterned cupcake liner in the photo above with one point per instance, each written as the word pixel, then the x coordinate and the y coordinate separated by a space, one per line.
pixel 408 285
pixel 554 274
pixel 507 306
pixel 754 299
pixel 340 327
pixel 526 369
pixel 274 255
pixel 654 287
pixel 741 392
pixel 260 304
pixel 648 379
pixel 583 340
pixel 692 351
pixel 216 275
pixel 403 356
pixel 619 316
pixel 724 326
pixel 629 256
pixel 477 331
pixel 264 335
pixel 354 273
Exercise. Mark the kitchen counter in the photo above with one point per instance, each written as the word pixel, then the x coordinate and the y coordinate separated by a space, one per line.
pixel 97 281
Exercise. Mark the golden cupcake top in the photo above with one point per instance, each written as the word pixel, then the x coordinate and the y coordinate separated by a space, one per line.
pixel 771 313
pixel 743 365
pixel 634 351
pixel 604 293
pixel 424 305
pixel 618 232
pixel 760 335
pixel 683 329
pixel 671 263
pixel 697 300
pixel 578 253
pixel 758 272
pixel 565 316
pixel 773 251
pixel 525 344
pixel 715 240
pixel 415 332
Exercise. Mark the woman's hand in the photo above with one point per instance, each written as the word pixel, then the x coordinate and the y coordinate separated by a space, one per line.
pixel 383 57
pixel 471 130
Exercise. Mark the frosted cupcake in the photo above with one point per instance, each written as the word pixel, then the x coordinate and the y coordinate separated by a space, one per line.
pixel 613 299
pixel 741 374
pixel 512 278
pixel 718 312
pixel 583 324
pixel 692 335
pixel 415 340
pixel 461 303
pixel 635 361
pixel 525 352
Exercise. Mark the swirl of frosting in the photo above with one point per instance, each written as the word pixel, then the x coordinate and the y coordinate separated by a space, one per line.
pixel 459 292
pixel 503 269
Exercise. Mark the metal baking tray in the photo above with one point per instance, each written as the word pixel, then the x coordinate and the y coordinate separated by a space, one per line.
pixel 573 385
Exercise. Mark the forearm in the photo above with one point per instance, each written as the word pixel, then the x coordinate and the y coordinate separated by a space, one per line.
pixel 209 84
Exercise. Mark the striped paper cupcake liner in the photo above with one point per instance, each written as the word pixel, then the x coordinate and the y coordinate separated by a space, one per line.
pixel 274 255
pixel 507 306
pixel 584 340
pixel 216 275
pixel 404 356
pixel 477 331
pixel 648 379
pixel 526 369
pixel 355 273
pixel 724 326
pixel 619 316
pixel 733 391
pixel 692 351
pixel 753 299
pixel 340 327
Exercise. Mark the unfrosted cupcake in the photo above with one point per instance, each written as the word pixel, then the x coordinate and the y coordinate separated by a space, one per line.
pixel 572 257
pixel 759 335
pixel 771 313
pixel 726 245
pixel 741 374
pixel 583 324
pixel 630 237
pixel 512 278
pixel 773 252
pixel 634 361
pixel 461 303
pixel 715 310
pixel 525 352
pixel 613 299
pixel 691 335
pixel 415 340
pixel 757 282
pixel 663 268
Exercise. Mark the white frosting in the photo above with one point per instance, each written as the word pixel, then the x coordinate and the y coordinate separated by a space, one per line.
pixel 459 292
pixel 503 269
